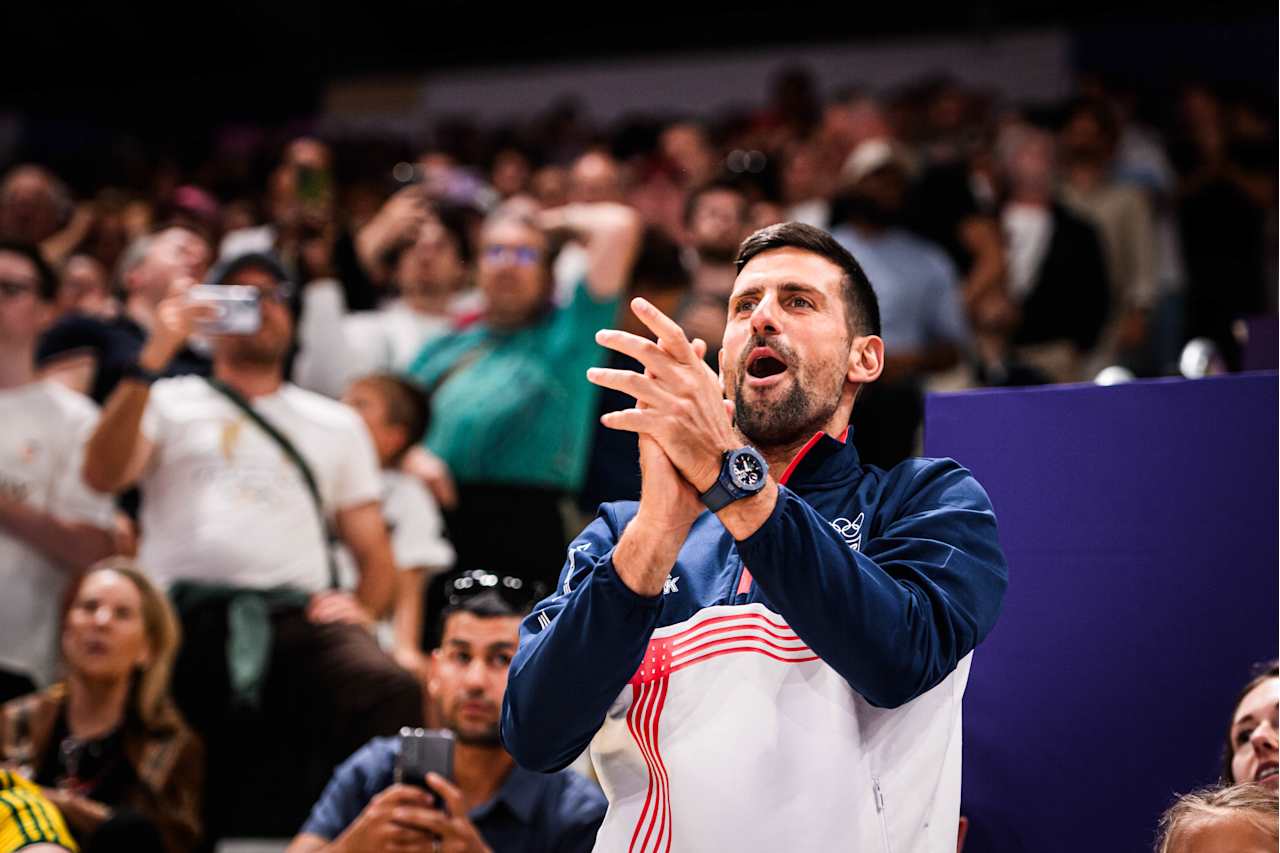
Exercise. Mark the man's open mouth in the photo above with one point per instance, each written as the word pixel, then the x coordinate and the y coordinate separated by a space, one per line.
pixel 1266 771
pixel 763 363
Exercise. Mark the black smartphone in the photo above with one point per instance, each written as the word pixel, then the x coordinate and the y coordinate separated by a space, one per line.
pixel 423 752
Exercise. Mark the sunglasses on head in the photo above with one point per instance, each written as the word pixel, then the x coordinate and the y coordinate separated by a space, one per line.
pixel 519 593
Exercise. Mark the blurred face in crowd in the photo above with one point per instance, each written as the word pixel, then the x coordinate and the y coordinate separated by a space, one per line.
pixel 22 313
pixel 469 674
pixel 786 351
pixel 595 178
pixel 686 145
pixel 371 405
pixel 1085 140
pixel 268 345
pixel 513 273
pixel 550 186
pixel 432 264
pixel 801 176
pixel 1027 156
pixel 104 636
pixel 718 224
pixel 510 172
pixel 174 253
pixel 1253 735
pixel 83 286
pixel 28 206
pixel 880 196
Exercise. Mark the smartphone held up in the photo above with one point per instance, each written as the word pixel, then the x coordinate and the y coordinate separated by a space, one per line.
pixel 236 310
pixel 421 752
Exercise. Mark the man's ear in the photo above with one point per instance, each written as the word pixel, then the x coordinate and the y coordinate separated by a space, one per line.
pixel 866 359
pixel 432 683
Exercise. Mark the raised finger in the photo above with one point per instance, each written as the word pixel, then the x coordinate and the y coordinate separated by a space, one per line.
pixel 670 336
pixel 641 349
pixel 629 382
pixel 632 420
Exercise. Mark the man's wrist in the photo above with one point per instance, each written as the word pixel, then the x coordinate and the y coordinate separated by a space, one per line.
pixel 646 552
pixel 742 518
pixel 154 358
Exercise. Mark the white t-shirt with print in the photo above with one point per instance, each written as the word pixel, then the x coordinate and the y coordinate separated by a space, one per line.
pixel 42 440
pixel 222 503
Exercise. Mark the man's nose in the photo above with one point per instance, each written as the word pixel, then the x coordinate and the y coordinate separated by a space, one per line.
pixel 764 318
pixel 474 674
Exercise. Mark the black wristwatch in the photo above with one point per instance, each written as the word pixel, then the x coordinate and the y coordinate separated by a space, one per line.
pixel 743 473
pixel 133 370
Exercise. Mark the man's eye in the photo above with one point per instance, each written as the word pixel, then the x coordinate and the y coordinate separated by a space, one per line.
pixel 503 661
pixel 800 302
pixel 745 305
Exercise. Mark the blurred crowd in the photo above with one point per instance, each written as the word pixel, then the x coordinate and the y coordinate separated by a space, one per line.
pixel 430 307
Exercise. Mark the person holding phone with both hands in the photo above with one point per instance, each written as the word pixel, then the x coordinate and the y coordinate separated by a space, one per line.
pixel 472 797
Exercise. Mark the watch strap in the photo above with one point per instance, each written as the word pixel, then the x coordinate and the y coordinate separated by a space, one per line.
pixel 718 496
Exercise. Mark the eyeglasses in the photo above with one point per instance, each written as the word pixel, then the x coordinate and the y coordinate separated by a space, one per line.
pixel 14 289
pixel 281 294
pixel 518 593
pixel 521 256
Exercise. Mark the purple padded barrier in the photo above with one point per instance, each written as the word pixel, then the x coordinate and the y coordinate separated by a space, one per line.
pixel 1140 525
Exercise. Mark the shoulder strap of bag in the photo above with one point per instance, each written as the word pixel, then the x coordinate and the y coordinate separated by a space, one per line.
pixel 294 456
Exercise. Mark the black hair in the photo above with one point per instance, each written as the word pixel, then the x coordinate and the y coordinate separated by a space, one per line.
pixel 862 309
pixel 721 184
pixel 47 287
pixel 483 605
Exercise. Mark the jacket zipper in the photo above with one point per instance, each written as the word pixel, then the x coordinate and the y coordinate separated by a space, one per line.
pixel 884 821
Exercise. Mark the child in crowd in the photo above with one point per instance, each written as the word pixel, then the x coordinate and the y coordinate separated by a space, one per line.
pixel 397 414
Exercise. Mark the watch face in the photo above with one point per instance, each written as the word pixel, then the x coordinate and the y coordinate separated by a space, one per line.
pixel 746 470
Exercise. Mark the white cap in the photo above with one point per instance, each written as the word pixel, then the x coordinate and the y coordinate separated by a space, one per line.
pixel 870 156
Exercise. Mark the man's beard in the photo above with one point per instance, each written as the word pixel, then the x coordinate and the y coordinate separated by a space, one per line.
pixel 484 737
pixel 803 411
pixel 256 353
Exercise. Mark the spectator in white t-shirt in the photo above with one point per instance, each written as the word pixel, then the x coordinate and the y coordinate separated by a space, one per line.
pixel 51 525
pixel 428 272
pixel 397 413
pixel 279 672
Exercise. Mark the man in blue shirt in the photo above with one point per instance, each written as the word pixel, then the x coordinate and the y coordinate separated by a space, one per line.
pixel 491 804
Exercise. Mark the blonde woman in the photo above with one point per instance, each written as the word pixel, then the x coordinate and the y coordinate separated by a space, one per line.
pixel 107 744
pixel 1239 818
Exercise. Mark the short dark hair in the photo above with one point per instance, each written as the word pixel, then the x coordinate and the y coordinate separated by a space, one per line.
pixel 862 309
pixel 407 405
pixel 484 605
pixel 47 287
